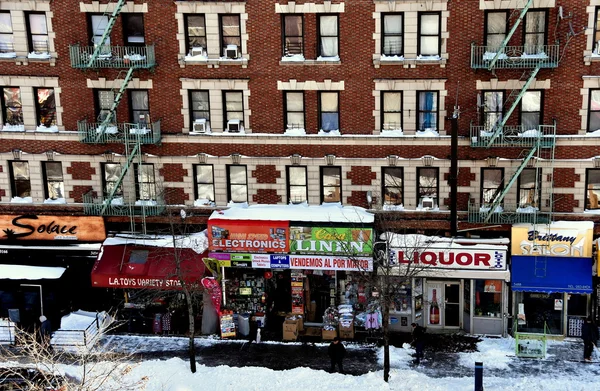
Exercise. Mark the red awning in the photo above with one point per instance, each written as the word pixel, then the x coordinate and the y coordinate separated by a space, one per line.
pixel 146 267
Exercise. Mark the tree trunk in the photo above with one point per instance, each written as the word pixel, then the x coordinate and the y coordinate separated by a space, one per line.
pixel 192 327
pixel 386 339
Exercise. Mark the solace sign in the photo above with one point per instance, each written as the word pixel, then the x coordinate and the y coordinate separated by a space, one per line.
pixel 451 258
pixel 44 227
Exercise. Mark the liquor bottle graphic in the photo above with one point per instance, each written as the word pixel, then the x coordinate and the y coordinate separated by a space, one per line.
pixel 434 309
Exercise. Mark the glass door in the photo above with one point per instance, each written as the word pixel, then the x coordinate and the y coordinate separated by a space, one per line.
pixel 452 304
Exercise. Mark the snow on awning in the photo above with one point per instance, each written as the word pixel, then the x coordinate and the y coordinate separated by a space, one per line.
pixel 22 272
pixel 334 213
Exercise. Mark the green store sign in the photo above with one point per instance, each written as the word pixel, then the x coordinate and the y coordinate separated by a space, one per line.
pixel 323 240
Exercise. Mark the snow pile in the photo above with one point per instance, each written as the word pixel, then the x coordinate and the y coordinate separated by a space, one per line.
pixel 204 202
pixel 391 58
pixel 39 56
pixel 333 58
pixel 494 352
pixel 399 357
pixel 293 57
pixel 47 129
pixel 295 132
pixel 21 200
pixel 13 128
pixel 397 208
pixel 429 58
pixel 334 132
pixel 527 209
pixel 55 201
pixel 427 133
pixel 80 330
pixel 391 133
pixel 146 203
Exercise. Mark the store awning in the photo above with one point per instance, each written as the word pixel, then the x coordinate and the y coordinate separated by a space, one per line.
pixel 24 272
pixel 551 274
pixel 146 267
pixel 467 274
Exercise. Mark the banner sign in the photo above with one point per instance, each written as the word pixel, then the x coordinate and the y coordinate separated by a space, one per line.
pixel 324 240
pixel 451 258
pixel 280 261
pixel 314 262
pixel 248 236
pixel 42 227
pixel 558 239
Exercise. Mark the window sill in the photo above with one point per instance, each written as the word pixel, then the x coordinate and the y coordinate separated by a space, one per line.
pixel 213 62
pixel 24 60
pixel 310 62
pixel 589 58
pixel 408 62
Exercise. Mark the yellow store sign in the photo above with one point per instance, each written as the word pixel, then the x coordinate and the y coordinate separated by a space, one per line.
pixel 557 239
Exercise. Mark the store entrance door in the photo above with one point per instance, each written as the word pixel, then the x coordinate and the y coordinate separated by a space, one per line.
pixel 443 304
pixel 452 304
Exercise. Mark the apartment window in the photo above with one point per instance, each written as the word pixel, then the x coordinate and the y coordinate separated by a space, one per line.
pixel 139 106
pixel 204 182
pixel 195 33
pixel 199 106
pixel 427 110
pixel 133 29
pixel 294 110
pixel 328 36
pixel 530 188
pixel 531 110
pixel 429 34
pixel 496 28
pixel 594 111
pixel 331 184
pixel 233 102
pixel 45 106
pixel 534 32
pixel 492 183
pixel 393 185
pixel 110 177
pixel 391 103
pixel 6 33
pixel 593 188
pixel 37 32
pixel 596 43
pixel 145 184
pixel 12 106
pixel 297 184
pixel 329 111
pixel 230 34
pixel 427 187
pixel 237 183
pixel 97 25
pixel 20 182
pixel 53 180
pixel 293 35
pixel 393 34
pixel 103 101
pixel 493 107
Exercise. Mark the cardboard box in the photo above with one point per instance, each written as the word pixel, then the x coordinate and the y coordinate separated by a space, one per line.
pixel 329 334
pixel 347 332
pixel 299 319
pixel 290 330
pixel 313 332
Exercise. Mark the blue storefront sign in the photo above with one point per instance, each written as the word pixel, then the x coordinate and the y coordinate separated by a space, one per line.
pixel 551 274
pixel 280 262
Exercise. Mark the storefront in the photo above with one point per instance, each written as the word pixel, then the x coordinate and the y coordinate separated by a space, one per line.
pixel 552 276
pixel 453 285
pixel 45 263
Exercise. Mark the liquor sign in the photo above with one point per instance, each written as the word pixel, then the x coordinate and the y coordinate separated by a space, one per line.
pixel 248 236
pixel 451 258
pixel 316 262
pixel 326 240
pixel 558 239
pixel 43 227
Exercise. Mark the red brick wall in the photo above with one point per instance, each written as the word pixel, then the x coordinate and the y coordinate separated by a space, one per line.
pixel 565 177
pixel 266 196
pixel 79 191
pixel 565 203
pixel 266 173
pixel 361 175
pixel 176 196
pixel 173 172
pixel 81 170
pixel 358 198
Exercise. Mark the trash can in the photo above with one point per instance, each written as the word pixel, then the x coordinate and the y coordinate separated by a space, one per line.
pixel 244 324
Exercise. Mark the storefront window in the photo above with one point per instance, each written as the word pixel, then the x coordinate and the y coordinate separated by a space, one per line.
pixel 488 298
pixel 541 310
pixel 577 305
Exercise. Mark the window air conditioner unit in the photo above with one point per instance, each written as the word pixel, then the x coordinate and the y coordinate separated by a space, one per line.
pixel 199 126
pixel 427 203
pixel 233 126
pixel 231 51
pixel 197 51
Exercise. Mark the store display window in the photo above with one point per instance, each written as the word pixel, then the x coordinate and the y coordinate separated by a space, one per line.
pixel 488 298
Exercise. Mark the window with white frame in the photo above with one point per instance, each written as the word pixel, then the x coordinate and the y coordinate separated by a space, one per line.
pixel 237 183
pixel 594 111
pixel 204 182
pixel 529 188
pixel 393 185
pixel 200 107
pixel 392 43
pixel 297 184
pixel 145 183
pixel 7 39
pixel 492 109
pixel 531 109
pixel 534 36
pixel 110 178
pixel 45 106
pixel 427 187
pixel 328 37
pixel 391 108
pixel 331 184
pixel 133 29
pixel 429 34
pixel 231 35
pixel 195 34
pixel 329 111
pixel 140 107
pixel 233 107
pixel 20 180
pixel 427 110
pixel 294 109
pixel 496 28
pixel 492 183
pixel 293 34
pixel 12 106
pixel 54 184
pixel 592 193
pixel 37 32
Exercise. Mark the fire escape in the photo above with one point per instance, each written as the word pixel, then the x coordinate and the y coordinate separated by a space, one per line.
pixel 106 130
pixel 536 144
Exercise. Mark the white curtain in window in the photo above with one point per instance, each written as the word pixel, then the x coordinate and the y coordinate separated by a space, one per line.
pixel 531 101
pixel 329 38
pixel 392 118
pixel 329 111
pixel 6 36
pixel 392 41
pixel 99 24
pixel 496 30
pixel 430 30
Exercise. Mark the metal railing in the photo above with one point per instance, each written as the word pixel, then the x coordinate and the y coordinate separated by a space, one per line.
pixel 506 214
pixel 514 136
pixel 113 57
pixel 77 338
pixel 7 333
pixel 94 206
pixel 96 133
pixel 526 56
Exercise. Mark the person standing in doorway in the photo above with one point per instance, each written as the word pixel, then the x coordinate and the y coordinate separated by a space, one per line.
pixel 45 331
pixel 589 334
pixel 337 352
pixel 418 335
